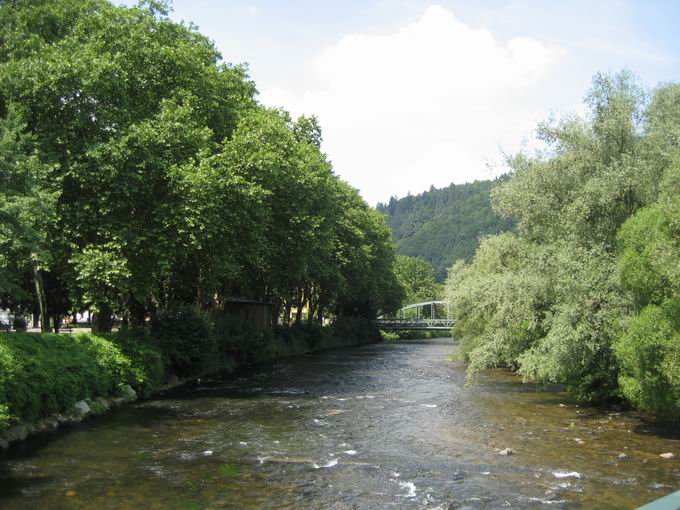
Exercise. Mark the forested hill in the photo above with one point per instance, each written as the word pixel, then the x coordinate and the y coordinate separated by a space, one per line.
pixel 444 225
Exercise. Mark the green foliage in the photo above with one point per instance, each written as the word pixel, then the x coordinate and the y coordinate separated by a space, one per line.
pixel 147 362
pixel 416 276
pixel 184 335
pixel 597 239
pixel 140 173
pixel 19 324
pixel 393 336
pixel 444 225
pixel 44 374
pixel 101 272
pixel 649 243
pixel 649 354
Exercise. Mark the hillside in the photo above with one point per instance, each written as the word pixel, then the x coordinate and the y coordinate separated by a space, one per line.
pixel 444 225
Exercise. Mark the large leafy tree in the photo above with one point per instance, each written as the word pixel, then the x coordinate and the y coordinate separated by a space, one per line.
pixel 27 216
pixel 648 349
pixel 149 177
pixel 416 276
pixel 120 103
pixel 547 299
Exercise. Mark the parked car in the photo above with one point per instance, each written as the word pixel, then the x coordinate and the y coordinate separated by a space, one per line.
pixel 5 326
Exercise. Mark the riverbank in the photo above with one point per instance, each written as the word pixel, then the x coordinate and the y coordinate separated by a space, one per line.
pixel 48 380
pixel 413 334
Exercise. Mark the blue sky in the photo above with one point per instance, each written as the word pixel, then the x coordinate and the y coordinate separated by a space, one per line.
pixel 412 93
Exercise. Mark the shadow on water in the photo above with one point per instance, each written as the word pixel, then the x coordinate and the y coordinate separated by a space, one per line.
pixel 137 415
pixel 658 428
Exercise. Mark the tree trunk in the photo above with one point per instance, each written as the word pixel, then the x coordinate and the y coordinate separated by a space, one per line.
pixel 312 311
pixel 276 312
pixel 56 322
pixel 137 313
pixel 42 299
pixel 102 321
pixel 36 319
pixel 299 304
pixel 287 309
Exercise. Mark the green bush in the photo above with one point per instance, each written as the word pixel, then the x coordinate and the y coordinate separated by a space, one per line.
pixel 354 330
pixel 43 374
pixel 238 341
pixel 413 334
pixel 19 324
pixel 649 355
pixel 5 417
pixel 185 337
pixel 147 364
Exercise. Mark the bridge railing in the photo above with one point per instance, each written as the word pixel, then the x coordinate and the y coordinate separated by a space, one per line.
pixel 401 324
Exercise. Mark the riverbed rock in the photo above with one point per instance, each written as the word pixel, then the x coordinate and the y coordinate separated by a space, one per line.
pixel 622 456
pixel 40 426
pixel 667 455
pixel 81 408
pixel 16 433
pixel 128 393
pixel 506 452
pixel 61 418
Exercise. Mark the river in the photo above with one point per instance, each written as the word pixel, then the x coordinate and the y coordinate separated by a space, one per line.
pixel 390 425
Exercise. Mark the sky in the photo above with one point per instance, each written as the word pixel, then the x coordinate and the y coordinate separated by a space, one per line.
pixel 414 93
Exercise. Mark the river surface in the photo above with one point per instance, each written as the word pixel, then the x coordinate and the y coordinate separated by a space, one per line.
pixel 383 426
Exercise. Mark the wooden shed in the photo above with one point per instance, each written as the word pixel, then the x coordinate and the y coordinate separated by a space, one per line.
pixel 255 313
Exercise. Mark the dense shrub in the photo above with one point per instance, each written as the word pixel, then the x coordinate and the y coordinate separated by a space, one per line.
pixel 649 355
pixel 41 374
pixel 44 374
pixel 238 341
pixel 354 330
pixel 184 335
pixel 146 359
pixel 413 334
pixel 549 311
pixel 19 324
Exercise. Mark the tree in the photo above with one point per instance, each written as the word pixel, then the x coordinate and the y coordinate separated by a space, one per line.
pixel 27 212
pixel 416 276
pixel 547 301
pixel 118 101
pixel 151 180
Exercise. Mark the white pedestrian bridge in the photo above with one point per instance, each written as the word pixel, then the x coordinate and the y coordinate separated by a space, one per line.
pixel 430 321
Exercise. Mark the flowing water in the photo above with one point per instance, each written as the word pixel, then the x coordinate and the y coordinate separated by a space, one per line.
pixel 380 426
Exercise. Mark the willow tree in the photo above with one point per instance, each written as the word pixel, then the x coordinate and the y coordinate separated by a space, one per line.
pixel 546 300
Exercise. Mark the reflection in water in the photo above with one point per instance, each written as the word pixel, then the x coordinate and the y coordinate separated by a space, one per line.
pixel 382 426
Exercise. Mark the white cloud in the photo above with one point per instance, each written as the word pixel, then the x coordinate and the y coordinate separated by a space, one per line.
pixel 430 103
pixel 252 10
